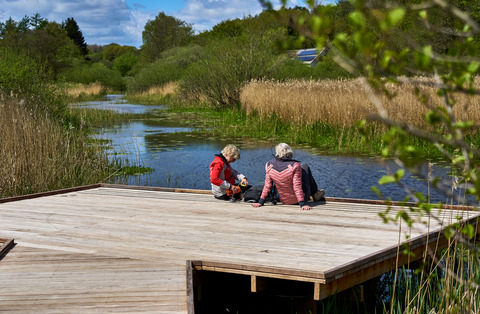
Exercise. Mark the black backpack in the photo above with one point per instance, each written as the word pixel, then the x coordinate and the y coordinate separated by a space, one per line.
pixel 252 195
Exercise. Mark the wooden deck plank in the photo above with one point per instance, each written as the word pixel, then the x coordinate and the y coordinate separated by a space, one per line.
pixel 114 249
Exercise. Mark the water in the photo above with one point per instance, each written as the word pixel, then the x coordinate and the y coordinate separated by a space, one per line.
pixel 181 159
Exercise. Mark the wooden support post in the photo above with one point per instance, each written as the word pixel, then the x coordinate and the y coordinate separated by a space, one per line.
pixel 258 283
pixel 190 289
pixel 316 291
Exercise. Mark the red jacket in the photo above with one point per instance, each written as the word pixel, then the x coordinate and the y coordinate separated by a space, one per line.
pixel 222 175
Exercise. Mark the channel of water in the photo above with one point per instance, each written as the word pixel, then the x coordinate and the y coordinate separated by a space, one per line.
pixel 179 158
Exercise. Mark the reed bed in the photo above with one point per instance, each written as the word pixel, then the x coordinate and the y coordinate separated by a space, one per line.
pixel 40 155
pixel 342 102
pixel 158 94
pixel 85 90
pixel 163 90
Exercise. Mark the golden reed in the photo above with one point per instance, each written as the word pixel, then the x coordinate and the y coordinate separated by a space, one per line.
pixel 342 102
pixel 38 154
pixel 77 90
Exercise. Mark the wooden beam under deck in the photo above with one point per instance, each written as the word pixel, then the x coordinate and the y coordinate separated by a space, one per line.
pixel 106 248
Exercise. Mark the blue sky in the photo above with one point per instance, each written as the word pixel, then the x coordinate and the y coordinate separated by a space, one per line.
pixel 122 21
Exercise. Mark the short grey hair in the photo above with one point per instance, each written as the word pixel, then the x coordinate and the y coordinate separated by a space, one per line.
pixel 232 151
pixel 283 151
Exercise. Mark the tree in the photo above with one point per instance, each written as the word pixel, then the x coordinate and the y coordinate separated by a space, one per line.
pixel 38 22
pixel 163 33
pixel 125 62
pixel 419 44
pixel 74 33
pixel 229 64
pixel 114 51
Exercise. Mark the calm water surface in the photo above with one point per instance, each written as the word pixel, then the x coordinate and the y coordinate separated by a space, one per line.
pixel 181 159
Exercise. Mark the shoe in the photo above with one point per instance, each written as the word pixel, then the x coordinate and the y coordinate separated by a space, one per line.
pixel 318 195
pixel 231 200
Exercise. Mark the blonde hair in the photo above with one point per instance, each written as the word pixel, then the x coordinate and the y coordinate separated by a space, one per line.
pixel 232 151
pixel 283 150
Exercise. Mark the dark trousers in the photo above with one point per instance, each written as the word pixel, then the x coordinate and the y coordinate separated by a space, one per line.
pixel 309 186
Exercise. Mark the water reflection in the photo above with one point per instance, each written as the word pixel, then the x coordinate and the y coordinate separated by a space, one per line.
pixel 181 158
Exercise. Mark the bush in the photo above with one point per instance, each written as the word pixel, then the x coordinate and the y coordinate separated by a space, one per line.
pixel 231 63
pixel 87 73
pixel 26 79
pixel 125 62
pixel 168 68
pixel 326 68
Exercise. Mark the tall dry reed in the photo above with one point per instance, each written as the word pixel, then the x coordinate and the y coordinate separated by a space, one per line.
pixel 342 102
pixel 163 90
pixel 85 90
pixel 40 155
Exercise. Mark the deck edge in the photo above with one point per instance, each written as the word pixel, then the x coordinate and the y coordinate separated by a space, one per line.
pixel 49 193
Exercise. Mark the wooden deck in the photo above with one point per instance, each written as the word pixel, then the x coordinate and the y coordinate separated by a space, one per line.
pixel 121 249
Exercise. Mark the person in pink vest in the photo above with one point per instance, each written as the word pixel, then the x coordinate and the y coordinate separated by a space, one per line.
pixel 293 180
pixel 223 176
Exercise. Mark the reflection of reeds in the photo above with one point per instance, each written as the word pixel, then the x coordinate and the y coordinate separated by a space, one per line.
pixel 342 102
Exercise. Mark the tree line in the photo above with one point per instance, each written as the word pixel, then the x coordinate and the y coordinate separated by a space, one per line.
pixel 230 54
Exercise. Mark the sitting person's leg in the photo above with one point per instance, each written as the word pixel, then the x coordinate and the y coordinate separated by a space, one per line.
pixel 309 185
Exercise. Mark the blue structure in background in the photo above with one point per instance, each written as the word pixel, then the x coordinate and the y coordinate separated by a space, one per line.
pixel 309 56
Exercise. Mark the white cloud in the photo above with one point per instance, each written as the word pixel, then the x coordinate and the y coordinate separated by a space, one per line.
pixel 205 14
pixel 106 21
pixel 101 21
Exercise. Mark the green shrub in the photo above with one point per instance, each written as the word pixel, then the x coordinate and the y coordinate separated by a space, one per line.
pixel 169 67
pixel 86 73
pixel 26 79
pixel 230 64
pixel 326 68
pixel 125 62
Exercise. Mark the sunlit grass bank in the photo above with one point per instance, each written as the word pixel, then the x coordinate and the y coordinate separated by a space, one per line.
pixel 321 114
pixel 155 95
pixel 83 92
pixel 342 102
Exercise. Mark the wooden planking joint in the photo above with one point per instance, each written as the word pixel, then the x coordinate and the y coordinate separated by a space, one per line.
pixel 5 245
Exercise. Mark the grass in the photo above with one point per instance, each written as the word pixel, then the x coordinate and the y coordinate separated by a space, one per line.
pixel 39 154
pixel 84 92
pixel 320 114
pixel 155 95
pixel 343 102
pixel 328 138
pixel 88 118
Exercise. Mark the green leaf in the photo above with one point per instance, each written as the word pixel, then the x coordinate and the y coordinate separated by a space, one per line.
pixel 376 191
pixel 400 173
pixel 433 117
pixel 395 16
pixel 473 67
pixel 424 57
pixel 385 152
pixel 420 196
pixel 386 180
pixel 449 232
pixel 469 231
pixel 357 19
pixel 315 22
pixel 342 37
pixel 458 159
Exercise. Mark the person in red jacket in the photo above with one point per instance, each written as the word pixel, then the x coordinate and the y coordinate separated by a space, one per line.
pixel 293 180
pixel 223 176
